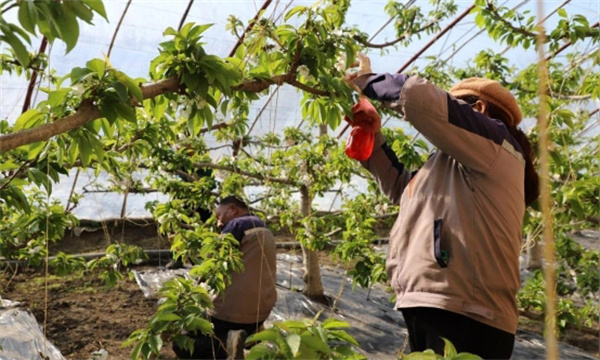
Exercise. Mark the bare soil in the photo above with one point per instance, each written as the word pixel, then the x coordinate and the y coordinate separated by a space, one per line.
pixel 82 315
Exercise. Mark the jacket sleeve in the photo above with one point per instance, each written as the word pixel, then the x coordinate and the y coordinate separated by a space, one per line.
pixel 389 173
pixel 452 126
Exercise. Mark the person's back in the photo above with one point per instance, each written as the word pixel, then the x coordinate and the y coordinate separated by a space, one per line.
pixel 453 255
pixel 248 300
pixel 252 293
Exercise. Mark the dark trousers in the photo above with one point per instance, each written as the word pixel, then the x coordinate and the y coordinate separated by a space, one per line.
pixel 426 327
pixel 207 347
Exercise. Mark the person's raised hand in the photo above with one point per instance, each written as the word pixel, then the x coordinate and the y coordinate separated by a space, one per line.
pixel 364 114
pixel 363 65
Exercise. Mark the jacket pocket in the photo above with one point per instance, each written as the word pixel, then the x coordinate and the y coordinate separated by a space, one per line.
pixel 441 255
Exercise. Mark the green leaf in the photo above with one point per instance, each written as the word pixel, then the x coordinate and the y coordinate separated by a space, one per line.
pixel 201 324
pixel 108 110
pixel 197 30
pixel 97 6
pixel 170 31
pixel 135 352
pixel 35 149
pixel 342 335
pixel 186 29
pixel 333 323
pixel 121 91
pixel 294 341
pixel 85 150
pixel 28 119
pixel 97 146
pixel 423 356
pixel 265 335
pixel 125 111
pixel 78 73
pixel 9 165
pixel 98 66
pixel 315 342
pixel 69 30
pixel 576 206
pixel 168 317
pixel 562 13
pixel 294 11
pixel 28 16
pixel 224 105
pixel 259 351
pixel 192 81
pixel 155 343
pixel 292 324
pixel 17 196
pixel 72 153
pixel 57 97
pixel 80 10
pixel 20 50
pixel 160 106
pixel 134 88
pixel 449 349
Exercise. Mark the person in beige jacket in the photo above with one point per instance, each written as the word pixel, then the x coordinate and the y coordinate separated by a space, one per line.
pixel 247 302
pixel 453 258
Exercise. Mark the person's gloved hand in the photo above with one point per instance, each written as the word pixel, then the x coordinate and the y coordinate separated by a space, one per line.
pixel 357 79
pixel 364 114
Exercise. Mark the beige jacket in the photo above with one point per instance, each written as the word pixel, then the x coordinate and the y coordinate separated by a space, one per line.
pixel 252 293
pixel 456 242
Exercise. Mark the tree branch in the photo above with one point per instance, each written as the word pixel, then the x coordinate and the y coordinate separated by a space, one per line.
pixel 262 84
pixel 394 42
pixel 15 174
pixel 249 27
pixel 131 191
pixel 88 111
pixel 187 177
pixel 307 88
pixel 235 169
pixel 9 7
pixel 514 28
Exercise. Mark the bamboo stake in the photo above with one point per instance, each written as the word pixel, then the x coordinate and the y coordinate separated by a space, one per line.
pixel 546 200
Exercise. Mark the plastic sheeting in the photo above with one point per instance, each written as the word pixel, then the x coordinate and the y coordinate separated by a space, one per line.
pixel 22 338
pixel 5 303
pixel 151 281
pixel 379 329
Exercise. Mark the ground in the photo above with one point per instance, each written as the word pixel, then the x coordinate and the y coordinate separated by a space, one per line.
pixel 83 315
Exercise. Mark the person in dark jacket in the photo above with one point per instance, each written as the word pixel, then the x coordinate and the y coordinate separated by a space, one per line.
pixel 453 259
pixel 248 300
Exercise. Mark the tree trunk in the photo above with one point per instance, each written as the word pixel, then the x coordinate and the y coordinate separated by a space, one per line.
pixel 313 288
